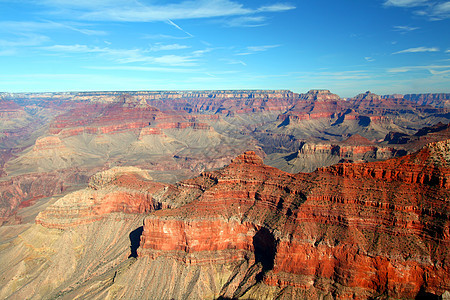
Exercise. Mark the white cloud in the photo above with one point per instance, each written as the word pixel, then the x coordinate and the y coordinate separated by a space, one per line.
pixel 405 29
pixel 80 4
pixel 261 48
pixel 440 11
pixel 246 21
pixel 431 68
pixel 20 27
pixel 276 7
pixel 171 47
pixel 434 10
pixel 149 11
pixel 198 53
pixel 234 62
pixel 164 36
pixel 344 75
pixel 417 50
pixel 142 69
pixel 174 60
pixel 125 56
pixel 405 3
pixel 26 39
pixel 369 59
pixel 254 49
pixel 175 11
pixel 178 27
pixel 74 49
pixel 435 72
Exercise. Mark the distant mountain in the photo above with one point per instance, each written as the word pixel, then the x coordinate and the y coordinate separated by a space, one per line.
pixel 436 100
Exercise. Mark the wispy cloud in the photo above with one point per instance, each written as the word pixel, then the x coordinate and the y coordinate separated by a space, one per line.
pixel 404 29
pixel 434 10
pixel 369 59
pixel 277 7
pixel 18 27
pixel 75 49
pixel 79 29
pixel 142 69
pixel 24 40
pixel 254 49
pixel 234 62
pixel 125 56
pixel 164 37
pixel 139 11
pixel 202 52
pixel 440 11
pixel 170 47
pixel 8 52
pixel 417 50
pixel 178 27
pixel 261 48
pixel 344 75
pixel 174 11
pixel 247 21
pixel 174 60
pixel 431 68
pixel 405 3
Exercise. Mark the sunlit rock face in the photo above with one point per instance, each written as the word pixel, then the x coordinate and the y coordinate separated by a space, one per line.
pixel 367 228
pixel 120 189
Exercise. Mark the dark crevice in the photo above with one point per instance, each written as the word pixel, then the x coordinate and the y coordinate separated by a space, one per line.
pixel 264 244
pixel 423 295
pixel 135 239
pixel 363 121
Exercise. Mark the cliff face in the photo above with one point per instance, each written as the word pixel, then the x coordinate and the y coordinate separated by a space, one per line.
pixel 311 156
pixel 348 230
pixel 25 190
pixel 437 100
pixel 126 189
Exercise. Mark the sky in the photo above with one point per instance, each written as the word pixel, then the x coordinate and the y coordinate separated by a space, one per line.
pixel 348 46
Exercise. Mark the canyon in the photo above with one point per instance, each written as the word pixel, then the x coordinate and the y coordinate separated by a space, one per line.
pixel 252 194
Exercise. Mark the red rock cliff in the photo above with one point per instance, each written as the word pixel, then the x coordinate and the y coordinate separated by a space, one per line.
pixel 339 230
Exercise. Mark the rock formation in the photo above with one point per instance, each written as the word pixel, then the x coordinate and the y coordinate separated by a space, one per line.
pixel 120 189
pixel 355 232
pixel 360 230
pixel 437 100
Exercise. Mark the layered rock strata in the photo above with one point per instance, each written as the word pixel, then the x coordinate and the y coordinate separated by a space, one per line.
pixel 344 230
pixel 121 189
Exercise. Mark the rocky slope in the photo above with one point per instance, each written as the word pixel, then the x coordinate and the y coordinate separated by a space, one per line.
pixel 311 156
pixel 437 100
pixel 359 231
pixel 322 115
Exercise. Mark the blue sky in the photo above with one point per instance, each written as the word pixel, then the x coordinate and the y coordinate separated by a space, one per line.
pixel 350 46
